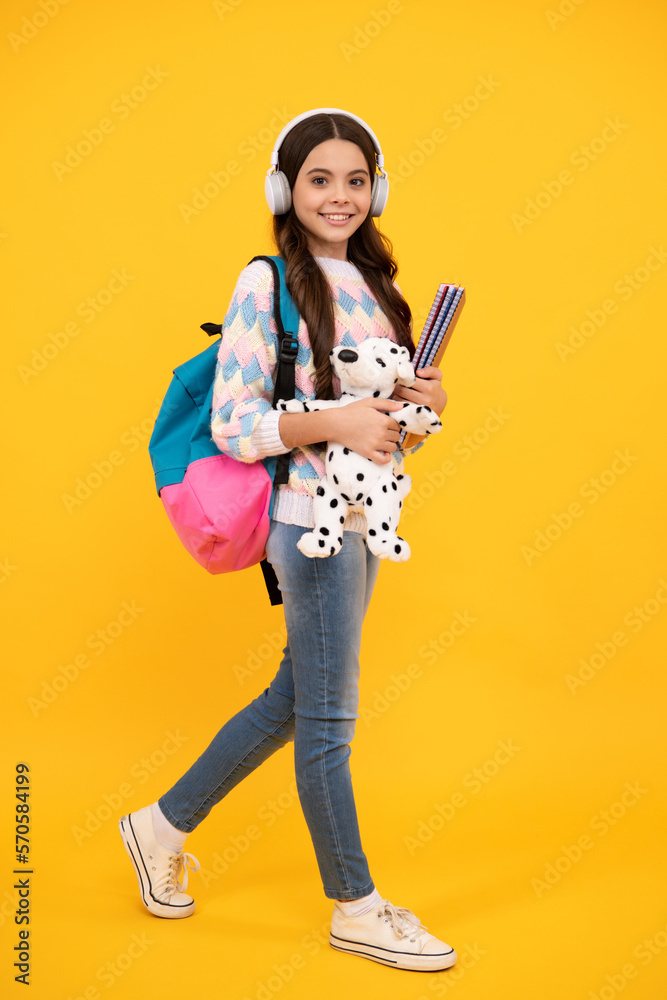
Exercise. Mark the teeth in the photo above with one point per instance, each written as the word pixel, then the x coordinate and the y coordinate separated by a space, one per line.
pixel 336 218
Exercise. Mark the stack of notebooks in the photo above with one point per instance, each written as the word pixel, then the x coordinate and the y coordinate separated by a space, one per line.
pixel 438 329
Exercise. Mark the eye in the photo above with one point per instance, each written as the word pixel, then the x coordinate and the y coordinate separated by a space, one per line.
pixel 357 181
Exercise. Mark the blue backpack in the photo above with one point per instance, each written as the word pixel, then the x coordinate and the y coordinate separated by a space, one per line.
pixel 221 507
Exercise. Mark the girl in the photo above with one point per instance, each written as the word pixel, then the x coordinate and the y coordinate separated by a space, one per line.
pixel 339 271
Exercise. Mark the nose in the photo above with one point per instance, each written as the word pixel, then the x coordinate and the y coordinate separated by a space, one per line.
pixel 337 192
pixel 348 355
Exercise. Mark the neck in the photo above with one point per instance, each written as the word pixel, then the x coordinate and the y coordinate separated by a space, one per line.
pixel 338 251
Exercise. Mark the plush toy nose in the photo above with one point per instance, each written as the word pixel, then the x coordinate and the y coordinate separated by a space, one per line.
pixel 348 355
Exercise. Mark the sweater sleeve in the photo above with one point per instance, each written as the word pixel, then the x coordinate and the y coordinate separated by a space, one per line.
pixel 243 423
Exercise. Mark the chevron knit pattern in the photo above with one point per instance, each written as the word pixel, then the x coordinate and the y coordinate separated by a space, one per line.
pixel 243 388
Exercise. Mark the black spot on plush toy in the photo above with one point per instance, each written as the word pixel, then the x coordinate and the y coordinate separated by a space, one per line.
pixel 353 482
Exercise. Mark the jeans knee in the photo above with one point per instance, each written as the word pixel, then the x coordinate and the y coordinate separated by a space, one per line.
pixel 328 743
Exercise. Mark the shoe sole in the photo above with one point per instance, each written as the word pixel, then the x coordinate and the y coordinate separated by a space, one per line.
pixel 152 904
pixel 394 959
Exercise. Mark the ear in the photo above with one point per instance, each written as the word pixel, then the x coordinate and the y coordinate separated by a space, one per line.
pixel 405 372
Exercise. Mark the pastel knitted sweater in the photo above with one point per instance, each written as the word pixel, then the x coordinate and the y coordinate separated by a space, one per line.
pixel 243 423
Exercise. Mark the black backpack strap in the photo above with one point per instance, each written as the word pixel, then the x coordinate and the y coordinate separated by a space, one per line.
pixel 288 347
pixel 271 582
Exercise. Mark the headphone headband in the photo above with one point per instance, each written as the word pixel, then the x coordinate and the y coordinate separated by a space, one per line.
pixel 318 111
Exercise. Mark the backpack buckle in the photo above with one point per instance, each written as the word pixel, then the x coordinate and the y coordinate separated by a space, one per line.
pixel 289 348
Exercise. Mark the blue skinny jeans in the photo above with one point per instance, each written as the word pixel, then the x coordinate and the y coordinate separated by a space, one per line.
pixel 313 700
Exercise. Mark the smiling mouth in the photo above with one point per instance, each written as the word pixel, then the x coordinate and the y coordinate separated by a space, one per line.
pixel 335 217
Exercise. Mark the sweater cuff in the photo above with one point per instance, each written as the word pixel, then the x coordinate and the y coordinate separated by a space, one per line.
pixel 266 437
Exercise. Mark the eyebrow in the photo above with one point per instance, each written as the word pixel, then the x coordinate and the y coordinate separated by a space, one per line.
pixel 323 170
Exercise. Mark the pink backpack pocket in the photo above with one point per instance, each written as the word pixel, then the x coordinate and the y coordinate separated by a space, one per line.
pixel 221 512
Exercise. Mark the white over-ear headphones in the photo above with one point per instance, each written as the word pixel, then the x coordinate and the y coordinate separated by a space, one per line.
pixel 276 185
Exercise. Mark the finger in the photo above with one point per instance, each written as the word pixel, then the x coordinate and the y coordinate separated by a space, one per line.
pixel 383 404
pixel 409 395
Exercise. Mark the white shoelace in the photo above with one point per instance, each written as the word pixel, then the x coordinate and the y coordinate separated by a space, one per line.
pixel 403 921
pixel 170 883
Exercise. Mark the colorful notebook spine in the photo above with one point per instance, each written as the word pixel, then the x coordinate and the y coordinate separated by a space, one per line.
pixel 438 329
pixel 440 322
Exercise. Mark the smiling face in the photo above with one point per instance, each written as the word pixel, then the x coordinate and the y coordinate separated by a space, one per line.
pixel 332 196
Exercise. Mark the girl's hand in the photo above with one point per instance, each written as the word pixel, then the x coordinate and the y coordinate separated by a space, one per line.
pixel 363 427
pixel 427 390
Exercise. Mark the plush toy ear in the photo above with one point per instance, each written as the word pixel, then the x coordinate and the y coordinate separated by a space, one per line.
pixel 406 373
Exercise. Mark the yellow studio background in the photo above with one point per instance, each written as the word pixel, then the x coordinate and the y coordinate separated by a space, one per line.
pixel 508 763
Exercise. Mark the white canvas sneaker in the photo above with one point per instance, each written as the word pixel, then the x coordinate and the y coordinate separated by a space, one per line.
pixel 157 869
pixel 391 935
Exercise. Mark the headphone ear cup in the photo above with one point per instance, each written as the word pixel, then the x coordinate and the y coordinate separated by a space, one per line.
pixel 278 193
pixel 379 195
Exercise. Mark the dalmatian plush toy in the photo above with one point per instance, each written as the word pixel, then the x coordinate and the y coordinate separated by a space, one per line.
pixel 353 482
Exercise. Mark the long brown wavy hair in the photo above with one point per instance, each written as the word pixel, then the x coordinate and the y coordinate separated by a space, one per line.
pixel 369 249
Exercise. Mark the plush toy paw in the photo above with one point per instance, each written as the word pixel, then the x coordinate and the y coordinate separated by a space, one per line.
pixel 314 545
pixel 290 406
pixel 428 419
pixel 394 548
